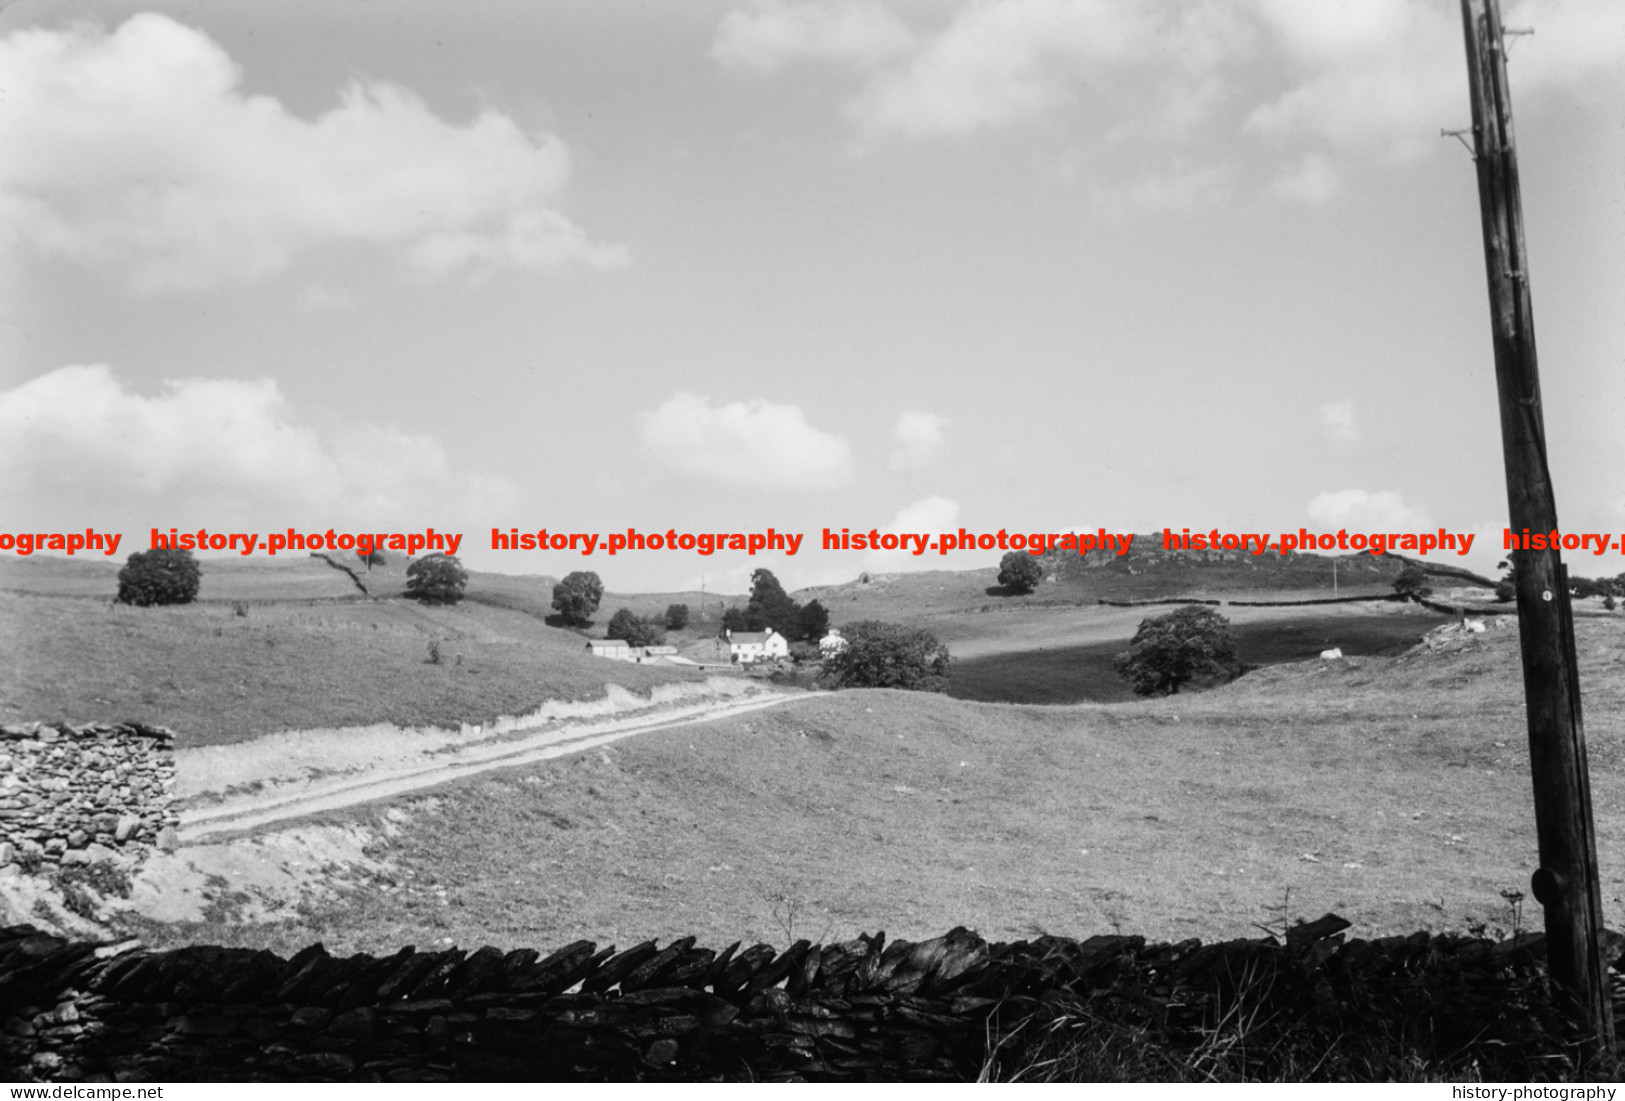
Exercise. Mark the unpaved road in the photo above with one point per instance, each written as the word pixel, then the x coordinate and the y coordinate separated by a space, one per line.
pixel 244 811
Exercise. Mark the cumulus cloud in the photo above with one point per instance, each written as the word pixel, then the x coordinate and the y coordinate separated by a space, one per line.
pixel 998 62
pixel 1383 73
pixel 146 158
pixel 751 445
pixel 932 515
pixel 1380 73
pixel 1313 181
pixel 919 438
pixel 80 448
pixel 1339 423
pixel 1365 511
pixel 764 35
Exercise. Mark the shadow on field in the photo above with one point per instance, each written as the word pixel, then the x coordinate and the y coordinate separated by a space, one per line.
pixel 1083 674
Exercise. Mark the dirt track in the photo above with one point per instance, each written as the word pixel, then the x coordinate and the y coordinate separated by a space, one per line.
pixel 236 811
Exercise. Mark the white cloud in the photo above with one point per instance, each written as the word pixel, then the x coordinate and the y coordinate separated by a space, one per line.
pixel 145 157
pixel 753 445
pixel 1358 509
pixel 998 62
pixel 764 35
pixel 1339 422
pixel 1379 73
pixel 1574 41
pixel 931 515
pixel 81 449
pixel 919 438
pixel 1312 182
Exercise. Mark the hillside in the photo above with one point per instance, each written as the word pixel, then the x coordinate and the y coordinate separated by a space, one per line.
pixel 229 669
pixel 1149 572
pixel 1391 790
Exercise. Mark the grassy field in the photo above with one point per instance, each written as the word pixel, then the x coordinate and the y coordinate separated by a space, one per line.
pixel 1393 790
pixel 215 676
pixel 1079 674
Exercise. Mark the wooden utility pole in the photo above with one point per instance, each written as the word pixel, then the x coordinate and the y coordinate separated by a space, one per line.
pixel 1566 885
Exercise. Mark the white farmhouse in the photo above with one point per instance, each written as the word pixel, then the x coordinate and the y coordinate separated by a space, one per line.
pixel 746 647
pixel 616 648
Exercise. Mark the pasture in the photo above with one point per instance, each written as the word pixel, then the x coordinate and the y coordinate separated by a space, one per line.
pixel 1393 790
pixel 215 676
pixel 1083 673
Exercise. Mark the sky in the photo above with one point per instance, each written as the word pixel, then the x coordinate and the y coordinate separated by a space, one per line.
pixel 1038 265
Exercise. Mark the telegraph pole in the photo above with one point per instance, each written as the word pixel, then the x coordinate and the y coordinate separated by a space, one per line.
pixel 1566 884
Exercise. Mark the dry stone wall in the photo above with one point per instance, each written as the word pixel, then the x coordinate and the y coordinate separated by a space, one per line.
pixel 76 794
pixel 866 1009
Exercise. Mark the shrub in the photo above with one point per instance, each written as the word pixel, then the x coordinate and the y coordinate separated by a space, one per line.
pixel 888 655
pixel 1608 602
pixel 436 579
pixel 1412 582
pixel 676 616
pixel 159 576
pixel 637 632
pixel 1019 572
pixel 576 597
pixel 1171 650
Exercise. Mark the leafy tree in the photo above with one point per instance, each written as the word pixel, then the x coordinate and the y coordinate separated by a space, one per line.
pixel 436 579
pixel 888 655
pixel 677 616
pixel 159 576
pixel 1608 603
pixel 771 606
pixel 1412 582
pixel 734 620
pixel 636 631
pixel 375 558
pixel 814 620
pixel 1506 590
pixel 576 597
pixel 1019 572
pixel 1171 650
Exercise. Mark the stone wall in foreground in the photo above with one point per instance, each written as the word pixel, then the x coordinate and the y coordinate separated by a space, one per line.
pixel 866 1009
pixel 74 794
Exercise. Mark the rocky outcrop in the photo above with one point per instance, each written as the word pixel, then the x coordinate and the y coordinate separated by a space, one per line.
pixel 74 794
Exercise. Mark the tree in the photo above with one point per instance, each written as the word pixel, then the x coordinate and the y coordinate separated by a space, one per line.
pixel 636 631
pixel 1413 582
pixel 1170 650
pixel 771 606
pixel 1019 572
pixel 676 616
pixel 1506 589
pixel 733 620
pixel 162 575
pixel 436 579
pixel 576 597
pixel 814 620
pixel 888 655
pixel 373 558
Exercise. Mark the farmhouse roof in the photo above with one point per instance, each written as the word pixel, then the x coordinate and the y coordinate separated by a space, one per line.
pixel 751 638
